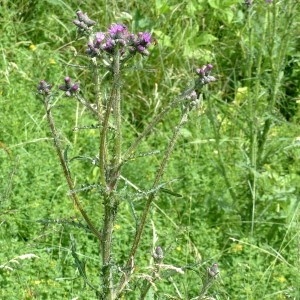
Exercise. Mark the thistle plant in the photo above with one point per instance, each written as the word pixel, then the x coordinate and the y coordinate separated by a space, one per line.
pixel 109 53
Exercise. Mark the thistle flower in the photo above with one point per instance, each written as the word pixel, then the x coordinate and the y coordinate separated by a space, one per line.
pixel 204 75
pixel 95 47
pixel 44 87
pixel 85 19
pixel 84 23
pixel 118 31
pixel 118 35
pixel 158 254
pixel 213 271
pixel 140 43
pixel 69 87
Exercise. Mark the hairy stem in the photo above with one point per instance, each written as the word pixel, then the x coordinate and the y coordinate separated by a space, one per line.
pixel 110 202
pixel 155 121
pixel 63 163
pixel 130 261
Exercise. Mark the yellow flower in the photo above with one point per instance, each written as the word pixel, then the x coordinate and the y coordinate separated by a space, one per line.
pixel 178 248
pixel 237 248
pixel 117 226
pixel 32 47
pixel 281 279
pixel 52 61
pixel 241 95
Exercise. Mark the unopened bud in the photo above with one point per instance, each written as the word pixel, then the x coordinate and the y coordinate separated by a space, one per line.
pixel 158 254
pixel 213 270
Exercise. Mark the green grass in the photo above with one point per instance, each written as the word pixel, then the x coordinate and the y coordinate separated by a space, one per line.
pixel 237 159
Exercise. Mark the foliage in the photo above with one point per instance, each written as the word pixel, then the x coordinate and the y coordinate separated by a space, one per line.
pixel 236 163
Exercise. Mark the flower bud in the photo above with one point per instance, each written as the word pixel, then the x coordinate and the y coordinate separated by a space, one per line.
pixel 158 254
pixel 44 87
pixel 213 270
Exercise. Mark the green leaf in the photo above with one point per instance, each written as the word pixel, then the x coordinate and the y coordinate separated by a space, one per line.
pixel 206 39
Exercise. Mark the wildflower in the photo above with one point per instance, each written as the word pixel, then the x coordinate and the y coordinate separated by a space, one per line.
pixel 117 226
pixel 69 87
pixel 84 23
pixel 213 270
pixel 158 254
pixel 118 35
pixel 32 47
pixel 281 279
pixel 92 50
pixel 118 31
pixel 269 1
pixel 44 87
pixel 237 248
pixel 85 19
pixel 204 75
pixel 109 46
pixel 140 43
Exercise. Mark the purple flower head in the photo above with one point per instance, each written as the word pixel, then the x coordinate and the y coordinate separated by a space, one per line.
pixel 144 38
pixel 205 70
pixel 75 87
pixel 118 31
pixel 109 46
pixel 204 75
pixel 100 36
pixel 67 80
pixel 69 87
pixel 44 87
pixel 140 43
pixel 209 67
pixel 141 49
pixel 97 45
pixel 200 71
pixel 269 1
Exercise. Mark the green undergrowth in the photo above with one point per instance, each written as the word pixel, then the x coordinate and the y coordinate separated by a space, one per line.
pixel 236 164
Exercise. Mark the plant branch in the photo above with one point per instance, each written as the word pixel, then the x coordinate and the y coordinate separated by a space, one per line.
pixel 126 277
pixel 59 151
pixel 155 121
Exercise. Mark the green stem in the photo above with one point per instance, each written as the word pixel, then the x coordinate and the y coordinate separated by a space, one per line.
pixel 63 163
pixel 155 121
pixel 110 202
pixel 118 126
pixel 130 261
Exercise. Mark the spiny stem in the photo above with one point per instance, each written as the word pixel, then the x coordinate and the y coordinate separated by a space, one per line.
pixel 155 121
pixel 65 168
pixel 126 277
pixel 110 202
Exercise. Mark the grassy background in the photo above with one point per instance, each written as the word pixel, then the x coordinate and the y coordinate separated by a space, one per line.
pixel 237 160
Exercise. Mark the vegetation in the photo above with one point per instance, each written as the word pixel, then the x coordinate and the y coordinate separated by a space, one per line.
pixel 229 192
